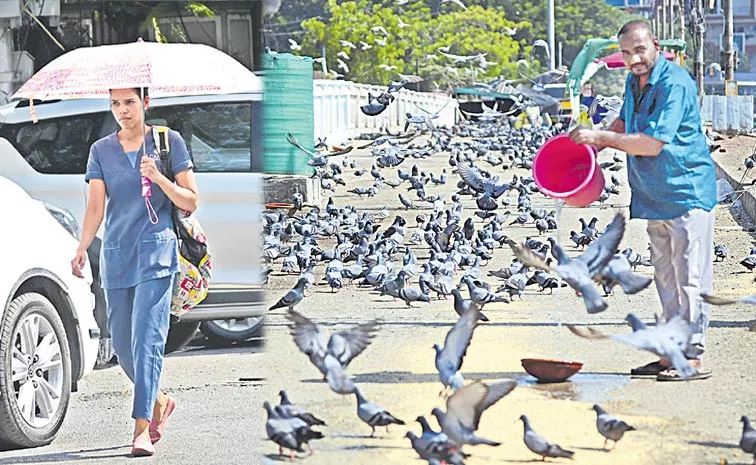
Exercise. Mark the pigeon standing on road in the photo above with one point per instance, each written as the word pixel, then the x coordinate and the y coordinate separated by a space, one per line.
pixel 373 414
pixel 540 445
pixel 720 252
pixel 292 298
pixel 481 295
pixel 462 306
pixel 281 432
pixel 288 410
pixel 609 426
pixel 748 438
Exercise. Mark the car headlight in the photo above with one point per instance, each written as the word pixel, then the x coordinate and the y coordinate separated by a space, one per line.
pixel 66 219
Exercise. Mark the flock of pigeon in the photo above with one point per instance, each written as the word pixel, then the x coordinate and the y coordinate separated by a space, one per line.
pixel 366 253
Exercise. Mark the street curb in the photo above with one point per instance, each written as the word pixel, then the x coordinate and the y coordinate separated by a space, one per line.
pixel 746 198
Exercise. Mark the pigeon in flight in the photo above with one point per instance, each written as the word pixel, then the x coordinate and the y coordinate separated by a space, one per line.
pixel 668 340
pixel 449 357
pixel 342 347
pixel 580 272
pixel 465 407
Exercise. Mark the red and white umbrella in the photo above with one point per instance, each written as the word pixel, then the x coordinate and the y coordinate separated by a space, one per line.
pixel 166 69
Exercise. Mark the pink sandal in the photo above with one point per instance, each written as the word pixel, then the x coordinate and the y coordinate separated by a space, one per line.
pixel 142 448
pixel 157 429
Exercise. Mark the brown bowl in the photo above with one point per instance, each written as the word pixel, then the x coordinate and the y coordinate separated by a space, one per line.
pixel 550 371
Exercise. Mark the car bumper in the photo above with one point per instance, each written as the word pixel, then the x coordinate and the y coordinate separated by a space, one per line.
pixel 226 302
pixel 83 302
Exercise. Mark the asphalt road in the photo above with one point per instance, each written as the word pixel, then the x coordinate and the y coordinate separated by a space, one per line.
pixel 220 418
pixel 218 410
pixel 686 423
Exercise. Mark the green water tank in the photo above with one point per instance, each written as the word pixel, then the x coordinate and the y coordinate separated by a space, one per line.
pixel 287 108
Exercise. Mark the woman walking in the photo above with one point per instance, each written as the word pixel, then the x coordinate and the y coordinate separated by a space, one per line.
pixel 139 257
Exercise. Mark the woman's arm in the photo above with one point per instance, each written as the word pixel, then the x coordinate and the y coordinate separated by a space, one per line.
pixel 184 192
pixel 94 214
pixel 92 220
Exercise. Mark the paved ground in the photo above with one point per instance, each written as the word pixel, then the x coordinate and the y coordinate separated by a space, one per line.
pixel 691 423
pixel 220 418
pixel 214 422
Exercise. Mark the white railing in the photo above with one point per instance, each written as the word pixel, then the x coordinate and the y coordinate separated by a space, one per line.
pixel 338 116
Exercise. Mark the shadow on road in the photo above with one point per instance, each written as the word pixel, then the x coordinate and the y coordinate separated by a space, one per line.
pixel 394 377
pixel 75 457
pixel 714 444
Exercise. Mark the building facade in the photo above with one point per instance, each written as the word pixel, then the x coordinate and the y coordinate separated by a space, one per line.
pixel 34 32
pixel 744 29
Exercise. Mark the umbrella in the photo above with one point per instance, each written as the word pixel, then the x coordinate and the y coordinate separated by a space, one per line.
pixel 166 69
pixel 614 60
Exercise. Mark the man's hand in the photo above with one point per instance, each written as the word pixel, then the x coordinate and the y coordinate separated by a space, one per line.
pixel 585 136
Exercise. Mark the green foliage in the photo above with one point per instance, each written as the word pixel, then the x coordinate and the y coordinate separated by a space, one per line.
pixel 503 30
pixel 414 48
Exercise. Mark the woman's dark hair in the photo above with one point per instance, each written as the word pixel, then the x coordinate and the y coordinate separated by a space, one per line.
pixel 140 91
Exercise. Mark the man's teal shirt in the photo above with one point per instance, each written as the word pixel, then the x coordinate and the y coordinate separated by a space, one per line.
pixel 682 177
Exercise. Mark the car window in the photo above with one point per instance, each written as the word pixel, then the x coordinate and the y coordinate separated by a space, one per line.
pixel 218 135
pixel 555 92
pixel 55 146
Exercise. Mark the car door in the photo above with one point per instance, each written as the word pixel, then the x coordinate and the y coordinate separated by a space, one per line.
pixel 222 137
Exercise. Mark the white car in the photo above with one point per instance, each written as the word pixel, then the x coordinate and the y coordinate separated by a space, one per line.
pixel 48 333
pixel 48 159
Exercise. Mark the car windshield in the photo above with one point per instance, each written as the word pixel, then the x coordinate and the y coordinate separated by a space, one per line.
pixel 555 92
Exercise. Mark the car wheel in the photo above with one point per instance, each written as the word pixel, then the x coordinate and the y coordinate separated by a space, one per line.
pixel 225 332
pixel 35 372
pixel 179 335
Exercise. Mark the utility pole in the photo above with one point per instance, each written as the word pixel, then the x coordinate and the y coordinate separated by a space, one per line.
pixel 729 54
pixel 663 28
pixel 698 24
pixel 681 12
pixel 552 48
pixel 657 19
pixel 671 34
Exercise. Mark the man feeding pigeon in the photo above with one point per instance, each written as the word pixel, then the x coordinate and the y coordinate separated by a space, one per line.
pixel 672 179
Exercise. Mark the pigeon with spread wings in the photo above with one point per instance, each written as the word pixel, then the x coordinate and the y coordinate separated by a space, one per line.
pixel 668 340
pixel 449 357
pixel 580 272
pixel 340 349
pixel 716 300
pixel 465 407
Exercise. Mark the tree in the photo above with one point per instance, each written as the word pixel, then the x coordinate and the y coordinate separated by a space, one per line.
pixel 385 48
pixel 575 21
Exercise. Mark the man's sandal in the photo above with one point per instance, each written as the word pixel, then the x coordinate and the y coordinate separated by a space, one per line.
pixel 650 370
pixel 674 375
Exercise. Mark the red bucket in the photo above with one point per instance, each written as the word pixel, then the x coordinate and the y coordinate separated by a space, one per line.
pixel 567 171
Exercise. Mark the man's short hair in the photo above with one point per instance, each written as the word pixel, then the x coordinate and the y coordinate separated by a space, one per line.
pixel 633 25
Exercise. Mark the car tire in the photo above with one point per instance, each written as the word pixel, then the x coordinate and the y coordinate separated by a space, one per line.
pixel 228 332
pixel 179 335
pixel 32 311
